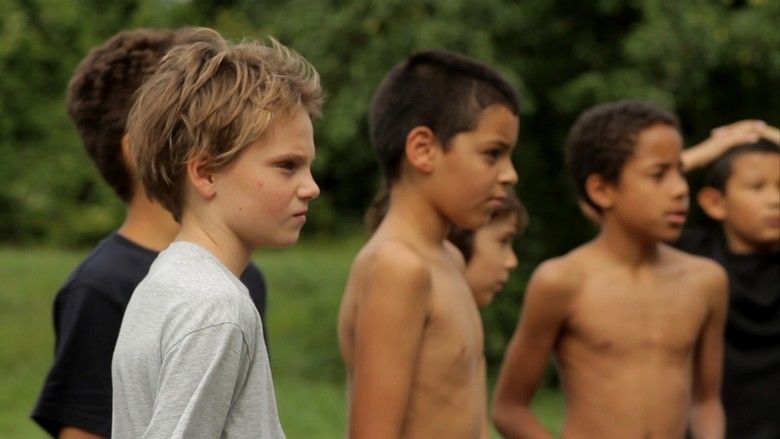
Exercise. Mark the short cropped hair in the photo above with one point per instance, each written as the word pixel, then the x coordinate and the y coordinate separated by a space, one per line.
pixel 463 239
pixel 100 95
pixel 441 90
pixel 604 137
pixel 212 98
pixel 719 172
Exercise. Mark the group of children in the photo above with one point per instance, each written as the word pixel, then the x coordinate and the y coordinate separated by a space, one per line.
pixel 211 144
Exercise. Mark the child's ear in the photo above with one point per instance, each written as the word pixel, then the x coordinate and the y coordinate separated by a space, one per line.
pixel 127 156
pixel 201 176
pixel 600 191
pixel 712 202
pixel 421 148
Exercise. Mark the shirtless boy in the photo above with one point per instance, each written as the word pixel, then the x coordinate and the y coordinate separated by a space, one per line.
pixel 443 127
pixel 636 326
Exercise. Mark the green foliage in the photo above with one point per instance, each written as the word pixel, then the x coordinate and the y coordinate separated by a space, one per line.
pixel 712 62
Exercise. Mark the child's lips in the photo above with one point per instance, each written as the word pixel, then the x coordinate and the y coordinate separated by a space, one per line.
pixel 676 217
pixel 496 202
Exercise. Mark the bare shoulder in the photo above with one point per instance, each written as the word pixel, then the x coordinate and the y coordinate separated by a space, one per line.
pixel 455 254
pixel 392 268
pixel 704 269
pixel 559 277
pixel 707 274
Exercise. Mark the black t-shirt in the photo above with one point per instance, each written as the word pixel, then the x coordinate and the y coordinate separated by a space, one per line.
pixel 88 312
pixel 751 375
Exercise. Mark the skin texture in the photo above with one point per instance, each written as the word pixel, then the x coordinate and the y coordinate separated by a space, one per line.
pixel 749 208
pixel 635 326
pixel 492 259
pixel 258 200
pixel 409 330
pixel 77 433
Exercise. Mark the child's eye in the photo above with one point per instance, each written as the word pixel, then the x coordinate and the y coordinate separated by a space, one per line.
pixel 493 154
pixel 288 165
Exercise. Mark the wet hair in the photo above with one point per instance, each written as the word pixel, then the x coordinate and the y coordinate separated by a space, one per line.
pixel 100 95
pixel 463 239
pixel 719 172
pixel 604 137
pixel 441 90
pixel 211 99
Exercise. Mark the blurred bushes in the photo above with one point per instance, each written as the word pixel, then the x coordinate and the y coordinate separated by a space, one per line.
pixel 710 61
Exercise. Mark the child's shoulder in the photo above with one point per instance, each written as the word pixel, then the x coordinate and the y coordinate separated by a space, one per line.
pixel 391 255
pixel 694 267
pixel 563 274
pixel 392 262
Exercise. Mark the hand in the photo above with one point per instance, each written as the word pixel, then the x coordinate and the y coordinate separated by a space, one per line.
pixel 724 138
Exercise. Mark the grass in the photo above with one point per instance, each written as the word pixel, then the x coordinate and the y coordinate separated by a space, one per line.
pixel 305 284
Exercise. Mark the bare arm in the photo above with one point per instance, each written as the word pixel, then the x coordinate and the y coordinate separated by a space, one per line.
pixel 544 313
pixel 388 332
pixel 77 433
pixel 707 418
pixel 724 138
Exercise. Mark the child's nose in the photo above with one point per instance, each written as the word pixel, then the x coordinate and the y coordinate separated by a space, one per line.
pixel 680 186
pixel 511 261
pixel 309 189
pixel 508 174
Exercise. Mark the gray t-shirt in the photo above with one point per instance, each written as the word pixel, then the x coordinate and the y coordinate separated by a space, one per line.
pixel 190 360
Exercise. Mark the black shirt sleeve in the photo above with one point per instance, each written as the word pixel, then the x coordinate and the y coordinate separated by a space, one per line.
pixel 77 390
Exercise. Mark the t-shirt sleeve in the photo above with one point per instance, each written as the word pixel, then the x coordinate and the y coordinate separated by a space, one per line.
pixel 77 390
pixel 199 379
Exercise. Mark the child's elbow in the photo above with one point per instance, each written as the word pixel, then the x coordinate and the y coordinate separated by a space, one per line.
pixel 502 415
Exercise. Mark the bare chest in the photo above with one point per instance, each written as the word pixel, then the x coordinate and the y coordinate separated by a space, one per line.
pixel 664 316
pixel 452 345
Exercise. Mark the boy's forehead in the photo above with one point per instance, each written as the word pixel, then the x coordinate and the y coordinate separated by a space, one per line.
pixel 497 122
pixel 755 162
pixel 660 142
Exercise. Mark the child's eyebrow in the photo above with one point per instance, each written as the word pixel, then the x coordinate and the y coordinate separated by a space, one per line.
pixel 294 156
pixel 663 166
pixel 500 144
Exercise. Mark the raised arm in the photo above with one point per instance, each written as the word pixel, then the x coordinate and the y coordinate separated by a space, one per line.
pixel 707 418
pixel 389 325
pixel 544 312
pixel 724 138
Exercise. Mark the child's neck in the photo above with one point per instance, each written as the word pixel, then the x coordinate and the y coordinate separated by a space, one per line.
pixel 148 224
pixel 411 214
pixel 627 247
pixel 224 245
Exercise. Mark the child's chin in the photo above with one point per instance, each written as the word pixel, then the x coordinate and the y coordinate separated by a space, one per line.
pixel 283 241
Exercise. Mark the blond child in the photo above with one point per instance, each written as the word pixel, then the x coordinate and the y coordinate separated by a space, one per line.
pixel 222 137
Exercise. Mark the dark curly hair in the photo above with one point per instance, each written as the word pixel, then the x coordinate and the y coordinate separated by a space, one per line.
pixel 100 95
pixel 604 137
pixel 444 91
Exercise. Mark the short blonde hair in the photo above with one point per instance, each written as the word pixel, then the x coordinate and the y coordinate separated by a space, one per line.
pixel 212 98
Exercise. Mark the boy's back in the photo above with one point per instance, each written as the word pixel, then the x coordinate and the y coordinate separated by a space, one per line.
pixel 219 314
